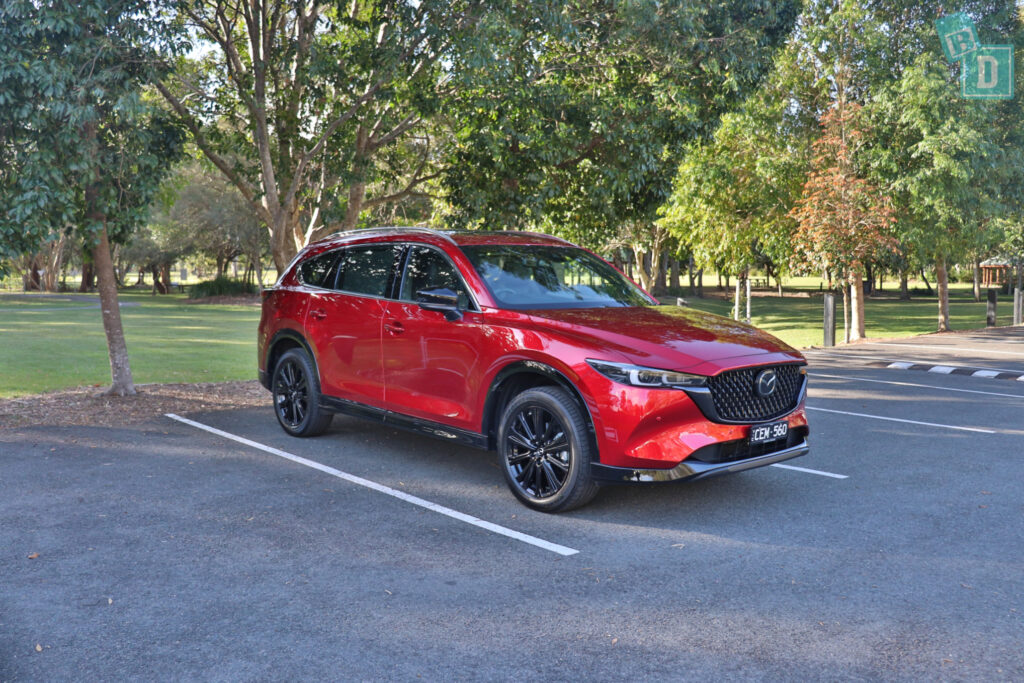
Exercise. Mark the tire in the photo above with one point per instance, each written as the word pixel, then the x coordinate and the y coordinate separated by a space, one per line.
pixel 545 450
pixel 296 391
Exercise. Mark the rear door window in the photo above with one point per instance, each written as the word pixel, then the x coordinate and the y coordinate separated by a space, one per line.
pixel 319 270
pixel 367 269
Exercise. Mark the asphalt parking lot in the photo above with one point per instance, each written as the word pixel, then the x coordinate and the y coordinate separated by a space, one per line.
pixel 168 551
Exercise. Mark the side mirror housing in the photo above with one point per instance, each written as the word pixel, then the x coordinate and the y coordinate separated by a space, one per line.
pixel 441 300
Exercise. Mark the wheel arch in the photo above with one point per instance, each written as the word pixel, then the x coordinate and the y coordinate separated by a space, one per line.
pixel 283 341
pixel 519 376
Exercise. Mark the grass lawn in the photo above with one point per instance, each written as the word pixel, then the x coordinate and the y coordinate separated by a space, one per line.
pixel 47 345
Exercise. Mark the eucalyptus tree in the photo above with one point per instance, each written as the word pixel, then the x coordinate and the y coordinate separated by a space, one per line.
pixel 81 147
pixel 305 104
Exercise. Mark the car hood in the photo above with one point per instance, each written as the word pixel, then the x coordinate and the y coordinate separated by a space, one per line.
pixel 669 337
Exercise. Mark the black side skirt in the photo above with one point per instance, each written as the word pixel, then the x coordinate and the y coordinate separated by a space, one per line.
pixel 411 424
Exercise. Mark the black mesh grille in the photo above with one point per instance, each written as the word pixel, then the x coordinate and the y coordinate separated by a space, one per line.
pixel 736 398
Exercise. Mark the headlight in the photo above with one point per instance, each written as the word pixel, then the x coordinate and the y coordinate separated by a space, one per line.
pixel 639 376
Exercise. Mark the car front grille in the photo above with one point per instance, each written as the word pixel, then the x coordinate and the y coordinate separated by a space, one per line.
pixel 736 399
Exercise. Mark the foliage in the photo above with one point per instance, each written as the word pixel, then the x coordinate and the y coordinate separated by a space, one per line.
pixel 843 220
pixel 80 145
pixel 220 286
pixel 577 125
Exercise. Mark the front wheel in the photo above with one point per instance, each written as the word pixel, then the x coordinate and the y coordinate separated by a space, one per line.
pixel 297 395
pixel 545 450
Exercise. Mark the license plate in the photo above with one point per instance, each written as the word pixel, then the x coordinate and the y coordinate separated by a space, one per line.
pixel 769 432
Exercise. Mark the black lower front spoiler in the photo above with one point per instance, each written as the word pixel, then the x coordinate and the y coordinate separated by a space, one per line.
pixel 695 469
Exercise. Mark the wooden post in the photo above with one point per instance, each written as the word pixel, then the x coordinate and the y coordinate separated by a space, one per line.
pixel 1018 306
pixel 830 320
pixel 990 318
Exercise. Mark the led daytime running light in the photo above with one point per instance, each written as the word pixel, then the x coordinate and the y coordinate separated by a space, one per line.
pixel 639 376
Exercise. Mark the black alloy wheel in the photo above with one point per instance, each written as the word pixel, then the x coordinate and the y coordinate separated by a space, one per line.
pixel 545 450
pixel 297 395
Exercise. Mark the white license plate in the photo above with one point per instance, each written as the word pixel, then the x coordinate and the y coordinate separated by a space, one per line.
pixel 772 431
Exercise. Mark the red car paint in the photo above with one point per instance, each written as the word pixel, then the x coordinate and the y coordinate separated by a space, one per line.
pixel 395 356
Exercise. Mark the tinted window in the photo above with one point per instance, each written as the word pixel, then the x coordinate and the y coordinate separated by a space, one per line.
pixel 429 269
pixel 366 269
pixel 317 271
pixel 551 277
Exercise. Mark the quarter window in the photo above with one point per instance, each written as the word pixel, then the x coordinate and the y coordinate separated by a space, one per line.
pixel 318 271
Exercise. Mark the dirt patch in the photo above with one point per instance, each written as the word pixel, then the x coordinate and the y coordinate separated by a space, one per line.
pixel 85 405
pixel 240 300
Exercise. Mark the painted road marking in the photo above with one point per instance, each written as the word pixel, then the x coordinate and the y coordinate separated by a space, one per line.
pixel 900 365
pixel 912 384
pixel 912 422
pixel 985 373
pixel 941 369
pixel 848 356
pixel 940 347
pixel 809 471
pixel 394 493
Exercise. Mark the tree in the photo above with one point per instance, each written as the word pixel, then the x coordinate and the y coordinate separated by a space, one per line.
pixel 843 220
pixel 580 129
pixel 81 146
pixel 305 104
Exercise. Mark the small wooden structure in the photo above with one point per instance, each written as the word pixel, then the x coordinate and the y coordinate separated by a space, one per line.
pixel 995 272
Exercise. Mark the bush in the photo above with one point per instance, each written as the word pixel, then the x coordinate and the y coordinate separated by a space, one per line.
pixel 222 286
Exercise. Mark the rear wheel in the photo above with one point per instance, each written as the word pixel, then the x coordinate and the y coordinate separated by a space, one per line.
pixel 545 450
pixel 296 392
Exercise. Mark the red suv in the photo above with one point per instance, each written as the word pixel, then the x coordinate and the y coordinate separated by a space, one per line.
pixel 531 346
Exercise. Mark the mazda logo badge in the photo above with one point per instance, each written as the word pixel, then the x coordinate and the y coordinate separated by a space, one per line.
pixel 765 383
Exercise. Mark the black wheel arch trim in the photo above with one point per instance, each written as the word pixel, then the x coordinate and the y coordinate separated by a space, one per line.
pixel 518 367
pixel 267 373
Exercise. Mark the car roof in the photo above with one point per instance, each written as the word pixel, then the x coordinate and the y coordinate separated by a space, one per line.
pixel 430 236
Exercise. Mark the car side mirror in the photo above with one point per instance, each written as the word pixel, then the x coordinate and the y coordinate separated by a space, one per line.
pixel 441 300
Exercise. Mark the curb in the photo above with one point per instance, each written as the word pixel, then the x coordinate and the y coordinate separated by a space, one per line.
pixel 950 370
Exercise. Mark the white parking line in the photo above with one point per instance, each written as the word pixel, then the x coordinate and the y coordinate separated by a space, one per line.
pixel 440 509
pixel 808 471
pixel 912 422
pixel 913 384
pixel 941 369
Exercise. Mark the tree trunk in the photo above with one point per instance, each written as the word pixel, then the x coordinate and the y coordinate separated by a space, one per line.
pixel 88 273
pixel 738 296
pixel 942 284
pixel 925 280
pixel 904 286
pixel 856 306
pixel 158 287
pixel 846 314
pixel 977 280
pixel 689 269
pixel 54 263
pixel 120 369
pixel 165 277
pixel 700 283
pixel 673 280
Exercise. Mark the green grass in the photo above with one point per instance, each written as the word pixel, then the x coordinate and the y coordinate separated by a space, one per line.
pixel 798 320
pixel 47 345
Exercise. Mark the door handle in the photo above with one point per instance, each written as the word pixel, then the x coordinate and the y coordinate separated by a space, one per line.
pixel 394 327
pixel 318 314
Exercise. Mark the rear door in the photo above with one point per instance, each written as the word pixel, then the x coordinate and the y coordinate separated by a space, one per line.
pixel 345 319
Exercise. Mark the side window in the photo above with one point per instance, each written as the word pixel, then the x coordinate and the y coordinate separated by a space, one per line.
pixel 319 270
pixel 366 269
pixel 429 269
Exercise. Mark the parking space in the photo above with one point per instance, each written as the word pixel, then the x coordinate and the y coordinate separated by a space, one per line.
pixel 174 549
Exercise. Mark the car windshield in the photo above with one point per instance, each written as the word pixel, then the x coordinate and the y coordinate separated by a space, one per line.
pixel 527 277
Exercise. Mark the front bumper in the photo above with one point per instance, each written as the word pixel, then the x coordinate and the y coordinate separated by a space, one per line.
pixel 692 468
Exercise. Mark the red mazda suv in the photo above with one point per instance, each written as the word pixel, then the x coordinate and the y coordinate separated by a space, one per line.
pixel 531 346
